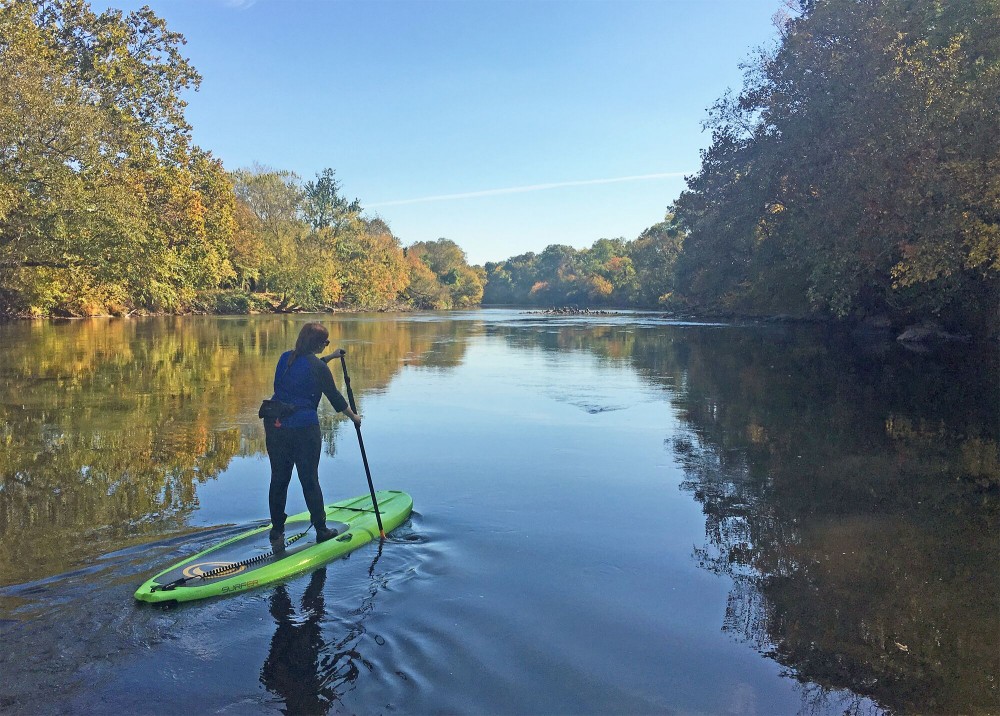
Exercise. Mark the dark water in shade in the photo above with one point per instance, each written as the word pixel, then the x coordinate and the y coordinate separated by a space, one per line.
pixel 613 515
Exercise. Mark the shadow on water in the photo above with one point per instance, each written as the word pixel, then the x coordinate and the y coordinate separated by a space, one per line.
pixel 316 655
pixel 301 669
pixel 294 670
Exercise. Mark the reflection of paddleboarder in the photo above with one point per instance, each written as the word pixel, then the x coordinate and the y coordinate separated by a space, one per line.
pixel 301 380
pixel 300 667
pixel 292 669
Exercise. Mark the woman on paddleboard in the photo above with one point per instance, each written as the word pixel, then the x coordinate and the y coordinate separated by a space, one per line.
pixel 300 380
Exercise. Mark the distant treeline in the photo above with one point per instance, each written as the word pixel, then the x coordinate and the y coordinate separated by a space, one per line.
pixel 855 175
pixel 106 205
pixel 612 272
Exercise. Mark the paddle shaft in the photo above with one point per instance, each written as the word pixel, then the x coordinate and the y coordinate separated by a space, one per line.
pixel 361 443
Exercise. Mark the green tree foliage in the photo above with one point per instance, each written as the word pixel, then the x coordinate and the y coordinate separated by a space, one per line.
pixel 612 272
pixel 274 231
pixel 312 248
pixel 107 206
pixel 654 255
pixel 104 202
pixel 423 289
pixel 510 281
pixel 371 267
pixel 440 276
pixel 857 169
pixel 324 207
pixel 557 275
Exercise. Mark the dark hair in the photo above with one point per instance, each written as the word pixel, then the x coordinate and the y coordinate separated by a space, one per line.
pixel 312 338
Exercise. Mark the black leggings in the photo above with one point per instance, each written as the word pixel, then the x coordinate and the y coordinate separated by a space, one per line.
pixel 298 448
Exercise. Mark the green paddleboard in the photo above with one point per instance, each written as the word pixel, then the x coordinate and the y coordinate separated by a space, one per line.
pixel 246 561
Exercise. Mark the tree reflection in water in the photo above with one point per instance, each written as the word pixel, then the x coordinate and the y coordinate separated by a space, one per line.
pixel 851 492
pixel 852 496
pixel 854 504
pixel 109 426
pixel 300 668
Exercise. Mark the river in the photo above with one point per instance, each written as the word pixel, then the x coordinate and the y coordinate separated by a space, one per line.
pixel 612 514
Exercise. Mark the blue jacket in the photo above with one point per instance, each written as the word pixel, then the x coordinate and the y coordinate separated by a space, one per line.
pixel 303 384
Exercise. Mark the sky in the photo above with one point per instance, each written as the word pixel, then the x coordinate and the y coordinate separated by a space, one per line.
pixel 503 125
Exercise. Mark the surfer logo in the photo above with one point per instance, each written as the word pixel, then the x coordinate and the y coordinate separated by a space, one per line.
pixel 197 570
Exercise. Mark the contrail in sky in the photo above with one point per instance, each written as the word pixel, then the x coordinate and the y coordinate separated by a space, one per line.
pixel 529 187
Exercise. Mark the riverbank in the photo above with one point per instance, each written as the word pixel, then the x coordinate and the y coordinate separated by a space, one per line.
pixel 218 303
pixel 918 334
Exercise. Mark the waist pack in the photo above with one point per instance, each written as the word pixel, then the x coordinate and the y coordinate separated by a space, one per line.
pixel 275 410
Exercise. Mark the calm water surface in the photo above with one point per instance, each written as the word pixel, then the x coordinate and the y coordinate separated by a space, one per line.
pixel 612 515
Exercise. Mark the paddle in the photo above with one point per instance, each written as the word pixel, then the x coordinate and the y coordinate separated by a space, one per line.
pixel 361 442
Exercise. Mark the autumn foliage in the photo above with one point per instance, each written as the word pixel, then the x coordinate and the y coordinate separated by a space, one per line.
pixel 856 172
pixel 107 206
pixel 854 175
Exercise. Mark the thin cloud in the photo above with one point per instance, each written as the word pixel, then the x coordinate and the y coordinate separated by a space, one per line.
pixel 528 188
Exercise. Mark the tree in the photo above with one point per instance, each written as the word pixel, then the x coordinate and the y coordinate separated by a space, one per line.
pixel 314 248
pixel 272 201
pixel 606 273
pixel 423 289
pixel 370 265
pixel 463 286
pixel 247 251
pixel 556 276
pixel 104 203
pixel 610 272
pixel 509 281
pixel 323 206
pixel 654 255
pixel 856 170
